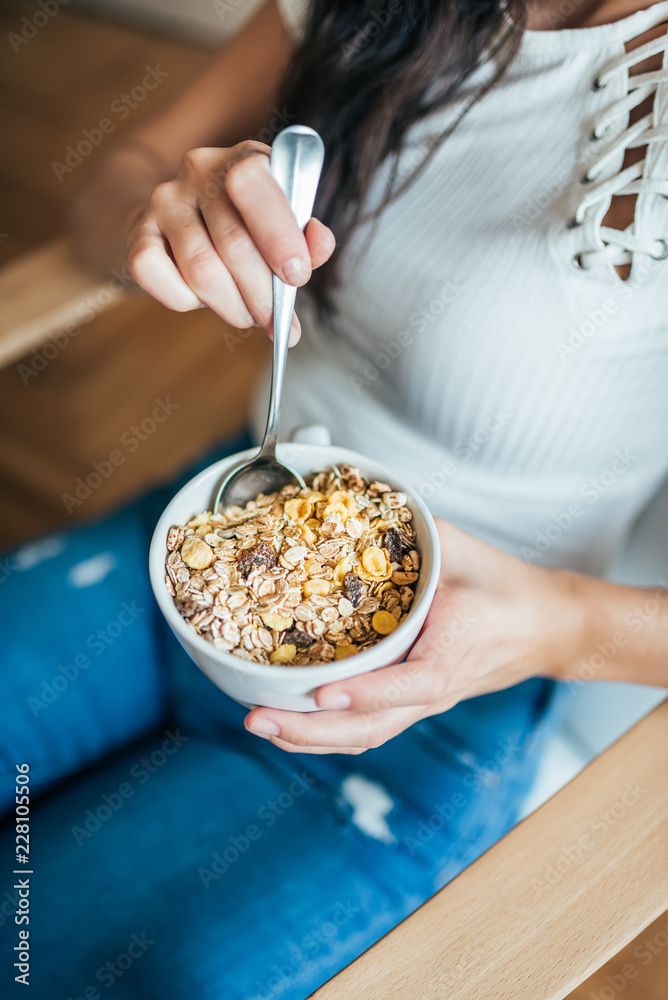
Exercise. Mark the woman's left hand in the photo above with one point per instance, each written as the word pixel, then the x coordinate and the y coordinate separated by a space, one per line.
pixel 495 621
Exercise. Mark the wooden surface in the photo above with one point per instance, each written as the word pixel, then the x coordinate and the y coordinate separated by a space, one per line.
pixel 500 931
pixel 46 292
pixel 639 971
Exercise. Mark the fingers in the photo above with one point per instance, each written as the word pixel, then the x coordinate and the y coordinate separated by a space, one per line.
pixel 269 219
pixel 203 270
pixel 334 732
pixel 242 259
pixel 292 748
pixel 321 242
pixel 217 233
pixel 415 682
pixel 154 270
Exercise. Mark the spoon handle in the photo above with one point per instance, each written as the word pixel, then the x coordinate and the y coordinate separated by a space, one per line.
pixel 296 162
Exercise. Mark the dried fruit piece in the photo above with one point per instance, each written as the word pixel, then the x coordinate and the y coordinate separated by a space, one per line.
pixel 383 622
pixel 273 620
pixel 261 555
pixel 284 654
pixel 316 586
pixel 403 579
pixel 392 541
pixel 354 588
pixel 297 638
pixel 196 553
pixel 343 652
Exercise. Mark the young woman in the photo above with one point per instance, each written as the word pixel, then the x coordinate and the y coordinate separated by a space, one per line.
pixel 493 325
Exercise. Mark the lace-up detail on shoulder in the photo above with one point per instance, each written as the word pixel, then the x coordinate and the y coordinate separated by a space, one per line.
pixel 617 133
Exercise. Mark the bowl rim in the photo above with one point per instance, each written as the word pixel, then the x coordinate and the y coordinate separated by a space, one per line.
pixel 157 555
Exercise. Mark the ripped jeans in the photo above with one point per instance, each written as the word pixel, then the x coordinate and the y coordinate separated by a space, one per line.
pixel 176 856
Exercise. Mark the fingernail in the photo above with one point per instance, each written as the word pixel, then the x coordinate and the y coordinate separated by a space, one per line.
pixel 263 727
pixel 296 271
pixel 334 699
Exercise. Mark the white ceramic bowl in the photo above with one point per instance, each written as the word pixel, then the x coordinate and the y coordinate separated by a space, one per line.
pixel 291 687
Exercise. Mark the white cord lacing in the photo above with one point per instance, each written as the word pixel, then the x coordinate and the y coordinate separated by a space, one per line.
pixel 621 244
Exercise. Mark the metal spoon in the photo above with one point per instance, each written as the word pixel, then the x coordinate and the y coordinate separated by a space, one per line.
pixel 296 162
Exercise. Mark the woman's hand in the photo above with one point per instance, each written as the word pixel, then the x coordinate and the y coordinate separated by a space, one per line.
pixel 216 232
pixel 495 621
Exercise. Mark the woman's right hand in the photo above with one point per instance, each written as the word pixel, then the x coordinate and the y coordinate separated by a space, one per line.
pixel 215 233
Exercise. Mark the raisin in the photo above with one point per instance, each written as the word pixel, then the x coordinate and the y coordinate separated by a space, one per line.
pixel 297 638
pixel 261 555
pixel 393 544
pixel 187 606
pixel 354 588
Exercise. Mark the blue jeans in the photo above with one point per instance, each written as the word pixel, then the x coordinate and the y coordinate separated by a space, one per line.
pixel 173 854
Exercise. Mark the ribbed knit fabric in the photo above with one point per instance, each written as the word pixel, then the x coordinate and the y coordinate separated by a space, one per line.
pixel 526 398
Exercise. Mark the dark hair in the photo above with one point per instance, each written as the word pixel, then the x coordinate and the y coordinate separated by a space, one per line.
pixel 367 70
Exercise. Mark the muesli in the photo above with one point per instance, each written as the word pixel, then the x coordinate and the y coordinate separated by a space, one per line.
pixel 301 576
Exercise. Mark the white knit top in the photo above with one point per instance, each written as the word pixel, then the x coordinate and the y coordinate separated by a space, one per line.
pixel 484 349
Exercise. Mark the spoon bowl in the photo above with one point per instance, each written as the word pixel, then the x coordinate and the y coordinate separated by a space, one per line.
pixel 263 475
